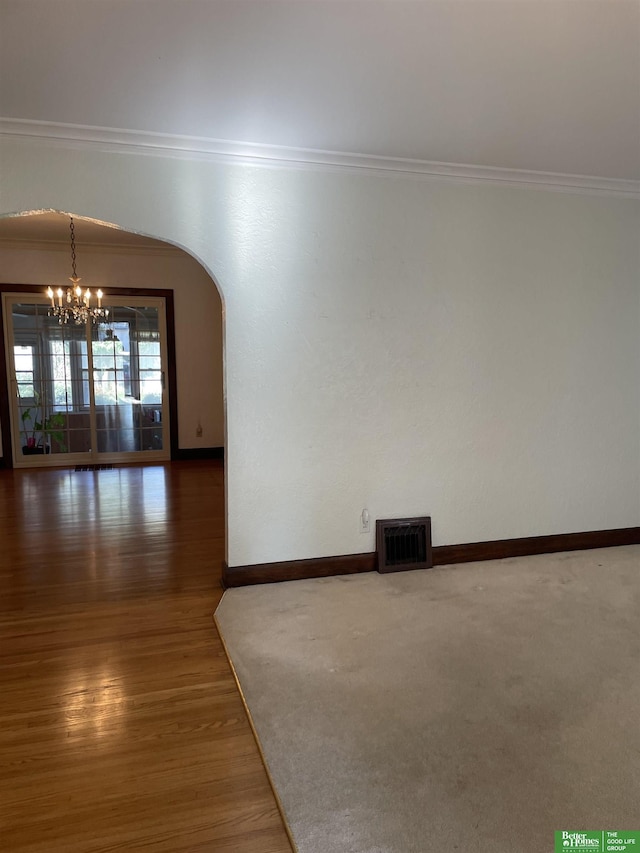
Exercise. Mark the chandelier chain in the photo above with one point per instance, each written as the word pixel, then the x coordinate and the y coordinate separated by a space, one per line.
pixel 73 247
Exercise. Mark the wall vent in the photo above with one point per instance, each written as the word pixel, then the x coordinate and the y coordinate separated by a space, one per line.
pixel 403 544
pixel 102 467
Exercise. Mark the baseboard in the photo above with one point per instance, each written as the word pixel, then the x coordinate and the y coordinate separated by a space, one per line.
pixel 185 453
pixel 294 570
pixel 498 549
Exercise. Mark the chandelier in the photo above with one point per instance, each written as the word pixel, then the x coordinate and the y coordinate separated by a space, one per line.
pixel 75 305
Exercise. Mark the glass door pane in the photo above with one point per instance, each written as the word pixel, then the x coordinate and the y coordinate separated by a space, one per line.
pixel 127 380
pixel 51 408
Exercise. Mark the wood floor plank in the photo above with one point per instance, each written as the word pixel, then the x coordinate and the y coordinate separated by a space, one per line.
pixel 121 727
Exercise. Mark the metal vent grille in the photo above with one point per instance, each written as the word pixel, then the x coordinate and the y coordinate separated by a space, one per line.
pixel 403 544
pixel 103 467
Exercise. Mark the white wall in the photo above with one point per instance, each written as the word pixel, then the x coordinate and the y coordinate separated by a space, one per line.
pixel 198 332
pixel 413 347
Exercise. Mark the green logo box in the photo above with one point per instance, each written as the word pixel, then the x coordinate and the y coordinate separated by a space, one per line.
pixel 603 841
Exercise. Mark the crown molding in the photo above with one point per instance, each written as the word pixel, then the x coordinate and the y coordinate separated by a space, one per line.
pixel 257 154
pixel 16 244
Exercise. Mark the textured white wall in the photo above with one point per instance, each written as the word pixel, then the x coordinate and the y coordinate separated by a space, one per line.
pixel 198 333
pixel 469 352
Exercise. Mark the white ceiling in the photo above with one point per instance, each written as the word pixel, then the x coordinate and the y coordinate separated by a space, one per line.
pixel 548 85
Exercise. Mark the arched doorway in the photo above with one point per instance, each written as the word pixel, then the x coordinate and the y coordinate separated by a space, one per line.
pixel 122 387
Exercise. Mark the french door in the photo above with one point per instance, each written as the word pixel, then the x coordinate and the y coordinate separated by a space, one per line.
pixel 87 394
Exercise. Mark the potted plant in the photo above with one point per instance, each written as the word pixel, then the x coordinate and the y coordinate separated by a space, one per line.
pixel 41 428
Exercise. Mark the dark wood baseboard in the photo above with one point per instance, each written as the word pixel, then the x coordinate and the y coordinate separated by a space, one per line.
pixel 187 453
pixel 294 570
pixel 498 549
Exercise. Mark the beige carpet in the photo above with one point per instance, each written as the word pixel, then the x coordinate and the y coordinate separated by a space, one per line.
pixel 477 707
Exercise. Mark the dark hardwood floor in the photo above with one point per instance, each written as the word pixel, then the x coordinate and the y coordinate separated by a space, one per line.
pixel 121 727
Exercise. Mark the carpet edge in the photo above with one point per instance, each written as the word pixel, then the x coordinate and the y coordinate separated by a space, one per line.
pixel 256 738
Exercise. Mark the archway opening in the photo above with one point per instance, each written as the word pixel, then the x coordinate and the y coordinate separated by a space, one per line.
pixel 34 250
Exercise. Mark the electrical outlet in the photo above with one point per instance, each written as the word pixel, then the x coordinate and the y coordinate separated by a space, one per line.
pixel 365 521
